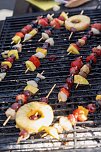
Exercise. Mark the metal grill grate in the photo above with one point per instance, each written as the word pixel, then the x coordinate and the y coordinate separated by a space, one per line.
pixel 84 135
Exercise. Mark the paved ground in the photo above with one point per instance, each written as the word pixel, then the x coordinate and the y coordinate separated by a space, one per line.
pixel 6 8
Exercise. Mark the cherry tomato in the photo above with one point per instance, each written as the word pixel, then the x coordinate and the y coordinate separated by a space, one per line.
pixel 28 28
pixel 91 57
pixel 20 34
pixel 79 115
pixel 77 63
pixel 72 119
pixel 61 18
pixel 21 97
pixel 74 70
pixel 65 91
pixel 43 22
pixel 97 26
pixel 55 23
pixel 35 60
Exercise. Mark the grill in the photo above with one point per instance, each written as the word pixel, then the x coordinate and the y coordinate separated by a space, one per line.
pixel 84 135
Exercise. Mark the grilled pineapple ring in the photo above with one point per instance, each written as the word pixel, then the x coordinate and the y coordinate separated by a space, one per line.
pixel 33 126
pixel 78 22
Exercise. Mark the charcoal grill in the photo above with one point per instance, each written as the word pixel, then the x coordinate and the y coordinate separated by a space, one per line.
pixel 85 136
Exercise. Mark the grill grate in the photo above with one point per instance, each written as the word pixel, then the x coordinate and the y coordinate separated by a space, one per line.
pixel 84 135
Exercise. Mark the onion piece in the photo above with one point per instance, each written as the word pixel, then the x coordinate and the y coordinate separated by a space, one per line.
pixel 45 36
pixel 10 112
pixel 65 123
pixel 62 97
pixel 95 31
pixel 40 55
pixel 40 76
pixel 58 127
pixel 33 83
pixel 50 41
pixel 2 76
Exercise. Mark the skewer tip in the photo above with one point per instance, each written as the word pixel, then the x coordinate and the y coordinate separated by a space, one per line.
pixel 70 35
pixel 77 86
pixel 42 72
pixel 6 121
pixel 50 91
pixel 69 53
pixel 23 41
pixel 82 12
pixel 19 139
pixel 12 42
pixel 26 70
pixel 40 39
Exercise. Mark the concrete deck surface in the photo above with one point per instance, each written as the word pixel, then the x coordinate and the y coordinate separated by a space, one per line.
pixel 6 8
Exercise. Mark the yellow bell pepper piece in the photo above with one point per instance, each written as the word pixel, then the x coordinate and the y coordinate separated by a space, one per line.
pixel 30 66
pixel 33 32
pixel 51 131
pixel 13 52
pixel 98 97
pixel 63 14
pixel 80 80
pixel 16 39
pixel 7 63
pixel 44 51
pixel 84 109
pixel 72 49
pixel 32 89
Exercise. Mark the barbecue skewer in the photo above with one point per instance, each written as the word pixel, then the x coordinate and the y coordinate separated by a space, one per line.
pixel 85 70
pixel 73 32
pixel 29 31
pixel 34 61
pixel 64 92
pixel 55 23
pixel 74 48
pixel 66 123
pixel 47 96
pixel 78 73
pixel 9 58
pixel 50 91
pixel 6 121
pixel 39 77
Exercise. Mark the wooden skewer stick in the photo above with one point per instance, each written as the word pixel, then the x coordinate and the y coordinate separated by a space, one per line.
pixel 40 39
pixel 51 91
pixel 69 52
pixel 77 86
pixel 19 42
pixel 73 32
pixel 82 12
pixel 26 70
pixel 19 139
pixel 12 42
pixel 70 35
pixel 6 121
pixel 44 135
pixel 23 41
pixel 42 72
